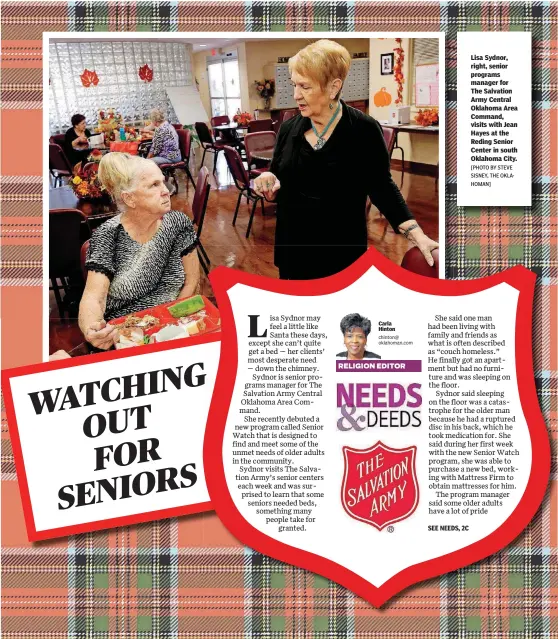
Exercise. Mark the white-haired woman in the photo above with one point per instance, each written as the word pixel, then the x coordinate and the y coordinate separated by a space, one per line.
pixel 144 256
pixel 327 160
pixel 165 148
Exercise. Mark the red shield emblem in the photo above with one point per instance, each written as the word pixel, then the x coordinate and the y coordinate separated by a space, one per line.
pixel 380 484
pixel 304 447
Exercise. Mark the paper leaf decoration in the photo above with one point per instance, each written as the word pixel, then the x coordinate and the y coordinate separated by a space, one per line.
pixel 89 78
pixel 145 73
pixel 398 69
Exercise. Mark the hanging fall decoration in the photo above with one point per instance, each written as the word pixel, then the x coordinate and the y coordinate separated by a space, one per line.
pixel 398 70
pixel 382 98
pixel 89 78
pixel 145 73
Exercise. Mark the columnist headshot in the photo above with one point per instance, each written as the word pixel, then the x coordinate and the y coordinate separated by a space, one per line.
pixel 355 329
pixel 328 159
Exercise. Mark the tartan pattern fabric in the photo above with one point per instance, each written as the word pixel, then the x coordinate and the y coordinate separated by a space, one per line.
pixel 190 578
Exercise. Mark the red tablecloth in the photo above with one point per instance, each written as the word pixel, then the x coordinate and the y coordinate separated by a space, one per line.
pixel 125 147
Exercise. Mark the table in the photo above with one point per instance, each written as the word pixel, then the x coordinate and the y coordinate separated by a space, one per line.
pixel 97 211
pixel 230 131
pixel 102 148
pixel 409 128
pixel 126 147
pixel 62 198
pixel 232 126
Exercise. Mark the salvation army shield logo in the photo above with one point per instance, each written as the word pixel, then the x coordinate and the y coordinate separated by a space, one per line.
pixel 380 485
pixel 313 462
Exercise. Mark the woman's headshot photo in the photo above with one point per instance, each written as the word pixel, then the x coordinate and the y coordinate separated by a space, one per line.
pixel 355 329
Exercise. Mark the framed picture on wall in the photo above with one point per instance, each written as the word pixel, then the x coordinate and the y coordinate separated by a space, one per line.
pixel 386 63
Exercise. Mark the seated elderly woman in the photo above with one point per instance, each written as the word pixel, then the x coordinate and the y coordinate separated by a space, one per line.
pixel 76 142
pixel 144 256
pixel 165 148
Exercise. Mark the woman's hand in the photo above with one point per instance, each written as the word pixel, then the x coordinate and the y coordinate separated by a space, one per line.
pixel 419 239
pixel 101 335
pixel 267 185
pixel 80 141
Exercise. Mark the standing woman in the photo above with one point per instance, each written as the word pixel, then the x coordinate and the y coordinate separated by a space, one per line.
pixel 327 161
pixel 76 141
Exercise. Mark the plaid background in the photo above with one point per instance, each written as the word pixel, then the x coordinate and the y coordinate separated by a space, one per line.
pixel 189 578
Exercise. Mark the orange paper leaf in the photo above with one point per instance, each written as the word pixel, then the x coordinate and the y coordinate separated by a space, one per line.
pixel 146 73
pixel 89 78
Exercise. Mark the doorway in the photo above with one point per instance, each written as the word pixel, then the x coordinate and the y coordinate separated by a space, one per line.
pixel 224 86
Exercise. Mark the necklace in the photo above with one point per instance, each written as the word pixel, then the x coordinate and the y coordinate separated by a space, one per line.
pixel 320 143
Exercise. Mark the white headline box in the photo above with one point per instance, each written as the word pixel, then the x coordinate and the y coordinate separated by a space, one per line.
pixel 494 119
pixel 112 440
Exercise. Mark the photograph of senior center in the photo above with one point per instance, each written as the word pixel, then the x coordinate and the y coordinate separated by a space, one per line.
pixel 284 157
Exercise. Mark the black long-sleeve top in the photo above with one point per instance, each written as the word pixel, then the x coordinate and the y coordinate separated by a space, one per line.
pixel 321 205
pixel 76 155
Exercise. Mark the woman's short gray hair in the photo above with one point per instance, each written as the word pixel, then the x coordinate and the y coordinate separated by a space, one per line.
pixel 157 115
pixel 322 61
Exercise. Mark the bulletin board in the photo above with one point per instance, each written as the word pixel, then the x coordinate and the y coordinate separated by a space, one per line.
pixel 427 84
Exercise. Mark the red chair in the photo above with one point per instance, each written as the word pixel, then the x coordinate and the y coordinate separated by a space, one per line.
pixel 260 125
pixel 177 126
pixel 58 138
pixel 287 114
pixel 65 239
pixel 96 219
pixel 390 138
pixel 243 184
pixel 185 142
pixel 414 261
pixel 219 120
pixel 225 137
pixel 199 207
pixel 208 142
pixel 390 135
pixel 90 168
pixel 259 141
pixel 58 164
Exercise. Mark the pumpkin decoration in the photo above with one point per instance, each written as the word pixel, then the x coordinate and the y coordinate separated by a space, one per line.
pixel 145 73
pixel 382 98
pixel 89 78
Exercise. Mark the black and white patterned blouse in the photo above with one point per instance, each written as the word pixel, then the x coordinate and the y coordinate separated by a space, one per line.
pixel 141 275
